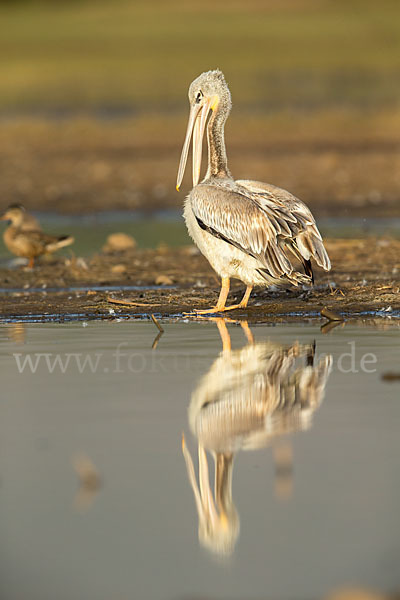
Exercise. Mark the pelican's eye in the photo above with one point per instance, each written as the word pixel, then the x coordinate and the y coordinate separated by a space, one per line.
pixel 199 96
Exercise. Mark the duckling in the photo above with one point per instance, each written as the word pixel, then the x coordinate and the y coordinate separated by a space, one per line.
pixel 25 238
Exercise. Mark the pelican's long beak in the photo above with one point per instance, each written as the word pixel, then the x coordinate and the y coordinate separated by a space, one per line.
pixel 196 126
pixel 203 497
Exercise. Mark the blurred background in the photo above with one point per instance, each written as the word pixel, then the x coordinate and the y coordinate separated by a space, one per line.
pixel 93 101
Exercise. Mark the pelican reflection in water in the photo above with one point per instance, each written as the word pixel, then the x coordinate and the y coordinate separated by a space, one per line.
pixel 247 230
pixel 248 399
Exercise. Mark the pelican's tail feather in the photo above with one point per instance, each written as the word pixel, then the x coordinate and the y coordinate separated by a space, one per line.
pixel 310 245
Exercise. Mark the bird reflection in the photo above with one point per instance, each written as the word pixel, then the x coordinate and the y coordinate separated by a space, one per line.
pixel 249 399
pixel 17 333
pixel 89 482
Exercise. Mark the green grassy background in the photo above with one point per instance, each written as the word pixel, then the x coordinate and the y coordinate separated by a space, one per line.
pixel 141 55
pixel 93 100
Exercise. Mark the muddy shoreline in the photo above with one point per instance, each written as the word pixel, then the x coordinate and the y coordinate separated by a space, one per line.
pixel 364 281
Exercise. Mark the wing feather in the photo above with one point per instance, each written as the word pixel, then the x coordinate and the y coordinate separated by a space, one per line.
pixel 297 217
pixel 257 220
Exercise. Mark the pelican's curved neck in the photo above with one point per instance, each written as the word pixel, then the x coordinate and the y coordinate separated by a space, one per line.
pixel 217 159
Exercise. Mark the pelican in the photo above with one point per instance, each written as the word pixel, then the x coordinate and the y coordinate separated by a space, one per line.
pixel 249 399
pixel 247 230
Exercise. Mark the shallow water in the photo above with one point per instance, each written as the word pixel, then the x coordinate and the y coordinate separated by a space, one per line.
pixel 311 510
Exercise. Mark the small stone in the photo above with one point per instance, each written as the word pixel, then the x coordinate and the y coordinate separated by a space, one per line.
pixel 119 242
pixel 163 280
pixel 191 250
pixel 118 269
pixel 162 248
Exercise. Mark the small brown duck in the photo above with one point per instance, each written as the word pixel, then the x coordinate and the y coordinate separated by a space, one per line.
pixel 29 222
pixel 25 238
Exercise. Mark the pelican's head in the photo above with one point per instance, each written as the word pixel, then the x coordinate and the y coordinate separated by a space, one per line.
pixel 14 213
pixel 208 92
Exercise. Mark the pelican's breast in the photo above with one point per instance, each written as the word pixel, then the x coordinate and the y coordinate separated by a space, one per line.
pixel 224 257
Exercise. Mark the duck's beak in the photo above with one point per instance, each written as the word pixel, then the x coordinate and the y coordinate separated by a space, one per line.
pixel 196 126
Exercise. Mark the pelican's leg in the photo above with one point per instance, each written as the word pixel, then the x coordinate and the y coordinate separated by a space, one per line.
pixel 224 333
pixel 247 332
pixel 31 263
pixel 220 306
pixel 244 300
pixel 192 477
pixel 205 488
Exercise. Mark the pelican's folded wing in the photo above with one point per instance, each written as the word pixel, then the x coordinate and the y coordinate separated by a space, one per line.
pixel 238 220
pixel 293 213
pixel 256 223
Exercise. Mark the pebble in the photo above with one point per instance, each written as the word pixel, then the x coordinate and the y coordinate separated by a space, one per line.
pixel 118 269
pixel 119 242
pixel 162 248
pixel 163 280
pixel 191 251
